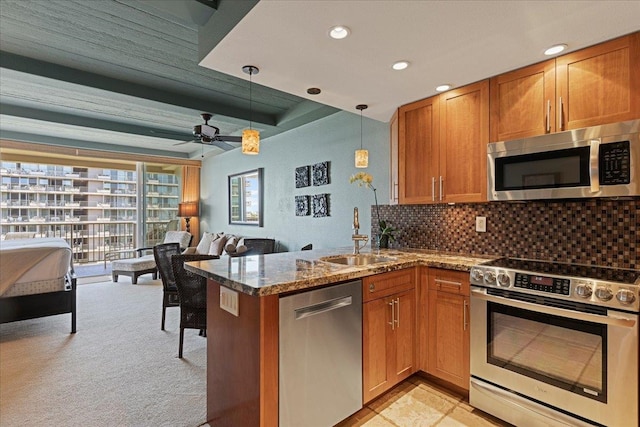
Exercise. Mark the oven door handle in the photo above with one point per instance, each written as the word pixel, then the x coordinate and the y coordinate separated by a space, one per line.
pixel 617 319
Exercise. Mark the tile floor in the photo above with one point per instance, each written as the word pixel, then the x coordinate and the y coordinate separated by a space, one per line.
pixel 418 403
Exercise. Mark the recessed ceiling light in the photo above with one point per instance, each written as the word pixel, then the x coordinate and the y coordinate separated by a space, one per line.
pixel 442 88
pixel 400 65
pixel 339 32
pixel 555 49
pixel 313 91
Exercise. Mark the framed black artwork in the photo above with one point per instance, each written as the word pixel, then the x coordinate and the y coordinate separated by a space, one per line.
pixel 302 206
pixel 320 205
pixel 302 177
pixel 320 173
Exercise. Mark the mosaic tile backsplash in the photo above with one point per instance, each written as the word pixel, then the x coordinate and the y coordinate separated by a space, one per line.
pixel 594 232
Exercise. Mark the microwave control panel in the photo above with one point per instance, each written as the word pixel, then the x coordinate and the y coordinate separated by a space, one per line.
pixel 615 163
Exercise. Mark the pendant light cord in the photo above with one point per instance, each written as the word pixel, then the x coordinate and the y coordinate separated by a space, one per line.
pixel 361 129
pixel 250 100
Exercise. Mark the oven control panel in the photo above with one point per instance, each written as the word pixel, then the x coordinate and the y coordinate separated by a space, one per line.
pixel 553 285
pixel 625 296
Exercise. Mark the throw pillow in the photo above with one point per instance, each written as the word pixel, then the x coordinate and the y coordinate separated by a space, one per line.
pixel 205 243
pixel 217 245
pixel 232 243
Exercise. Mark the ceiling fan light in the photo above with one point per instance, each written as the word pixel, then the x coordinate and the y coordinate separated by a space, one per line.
pixel 250 141
pixel 362 158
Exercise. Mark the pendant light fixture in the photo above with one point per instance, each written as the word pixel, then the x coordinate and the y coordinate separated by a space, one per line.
pixel 362 156
pixel 250 137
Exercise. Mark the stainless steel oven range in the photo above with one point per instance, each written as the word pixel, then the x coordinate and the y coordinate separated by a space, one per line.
pixel 555 344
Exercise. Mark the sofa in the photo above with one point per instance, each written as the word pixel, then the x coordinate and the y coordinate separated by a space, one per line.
pixel 222 244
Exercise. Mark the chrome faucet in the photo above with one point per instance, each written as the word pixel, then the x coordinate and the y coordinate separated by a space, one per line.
pixel 357 238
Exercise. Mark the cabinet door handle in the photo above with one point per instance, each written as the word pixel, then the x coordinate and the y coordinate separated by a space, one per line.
pixel 441 188
pixel 560 117
pixel 448 282
pixel 372 287
pixel 465 324
pixel 393 315
pixel 395 191
pixel 548 116
pixel 433 188
pixel 397 301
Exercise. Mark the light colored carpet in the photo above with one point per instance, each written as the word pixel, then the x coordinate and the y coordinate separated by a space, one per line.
pixel 119 369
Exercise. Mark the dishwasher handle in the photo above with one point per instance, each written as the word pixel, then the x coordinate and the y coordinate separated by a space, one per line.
pixel 323 307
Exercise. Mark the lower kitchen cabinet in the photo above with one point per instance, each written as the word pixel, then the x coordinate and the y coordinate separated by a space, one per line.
pixel 388 330
pixel 448 326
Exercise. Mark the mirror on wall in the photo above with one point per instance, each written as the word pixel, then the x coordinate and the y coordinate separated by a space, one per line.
pixel 245 198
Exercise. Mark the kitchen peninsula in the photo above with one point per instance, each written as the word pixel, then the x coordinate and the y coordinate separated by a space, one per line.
pixel 243 337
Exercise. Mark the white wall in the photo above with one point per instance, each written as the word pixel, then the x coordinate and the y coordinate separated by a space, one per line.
pixel 333 139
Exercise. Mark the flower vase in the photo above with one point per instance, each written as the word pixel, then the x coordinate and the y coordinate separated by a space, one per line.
pixel 383 241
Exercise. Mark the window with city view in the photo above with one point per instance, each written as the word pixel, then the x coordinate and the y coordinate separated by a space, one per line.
pixel 96 209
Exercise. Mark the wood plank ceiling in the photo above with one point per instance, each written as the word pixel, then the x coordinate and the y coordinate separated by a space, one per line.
pixel 123 75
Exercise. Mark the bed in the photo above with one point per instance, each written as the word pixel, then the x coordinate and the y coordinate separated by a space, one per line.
pixel 36 279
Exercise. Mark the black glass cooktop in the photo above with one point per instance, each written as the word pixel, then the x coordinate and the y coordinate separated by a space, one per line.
pixel 622 276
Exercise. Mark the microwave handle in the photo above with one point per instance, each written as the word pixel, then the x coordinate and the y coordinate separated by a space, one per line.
pixel 594 160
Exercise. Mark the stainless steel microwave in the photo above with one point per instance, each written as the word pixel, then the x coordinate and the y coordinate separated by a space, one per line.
pixel 599 161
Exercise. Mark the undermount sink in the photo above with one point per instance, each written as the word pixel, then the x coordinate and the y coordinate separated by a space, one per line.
pixel 361 259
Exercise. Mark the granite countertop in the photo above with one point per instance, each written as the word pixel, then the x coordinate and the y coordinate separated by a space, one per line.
pixel 283 272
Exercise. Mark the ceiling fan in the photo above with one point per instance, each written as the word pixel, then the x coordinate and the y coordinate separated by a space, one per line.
pixel 210 135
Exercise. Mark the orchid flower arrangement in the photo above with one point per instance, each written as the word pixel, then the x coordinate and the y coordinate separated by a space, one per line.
pixel 366 180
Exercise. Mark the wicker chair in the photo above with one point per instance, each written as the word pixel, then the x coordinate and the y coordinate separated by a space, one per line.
pixel 162 254
pixel 192 289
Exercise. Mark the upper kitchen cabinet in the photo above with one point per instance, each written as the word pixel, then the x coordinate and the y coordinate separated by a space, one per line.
pixel 442 144
pixel 464 134
pixel 600 84
pixel 593 86
pixel 522 102
pixel 394 186
pixel 418 141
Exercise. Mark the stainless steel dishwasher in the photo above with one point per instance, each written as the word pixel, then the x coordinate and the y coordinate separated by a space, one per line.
pixel 321 356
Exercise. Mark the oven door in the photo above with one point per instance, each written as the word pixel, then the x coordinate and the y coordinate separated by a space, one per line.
pixel 539 361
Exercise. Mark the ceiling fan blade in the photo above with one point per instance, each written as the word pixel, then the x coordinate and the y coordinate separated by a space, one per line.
pixel 223 145
pixel 168 134
pixel 227 138
pixel 187 142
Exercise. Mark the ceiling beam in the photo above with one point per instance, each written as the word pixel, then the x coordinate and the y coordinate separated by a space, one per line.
pixel 92 123
pixel 304 112
pixel 89 145
pixel 58 72
pixel 227 16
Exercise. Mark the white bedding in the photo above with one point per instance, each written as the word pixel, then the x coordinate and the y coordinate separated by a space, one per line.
pixel 33 265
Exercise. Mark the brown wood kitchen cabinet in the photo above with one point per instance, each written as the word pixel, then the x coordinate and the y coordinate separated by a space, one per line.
pixel 593 86
pixel 418 143
pixel 394 186
pixel 464 134
pixel 422 320
pixel 442 147
pixel 388 330
pixel 448 326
